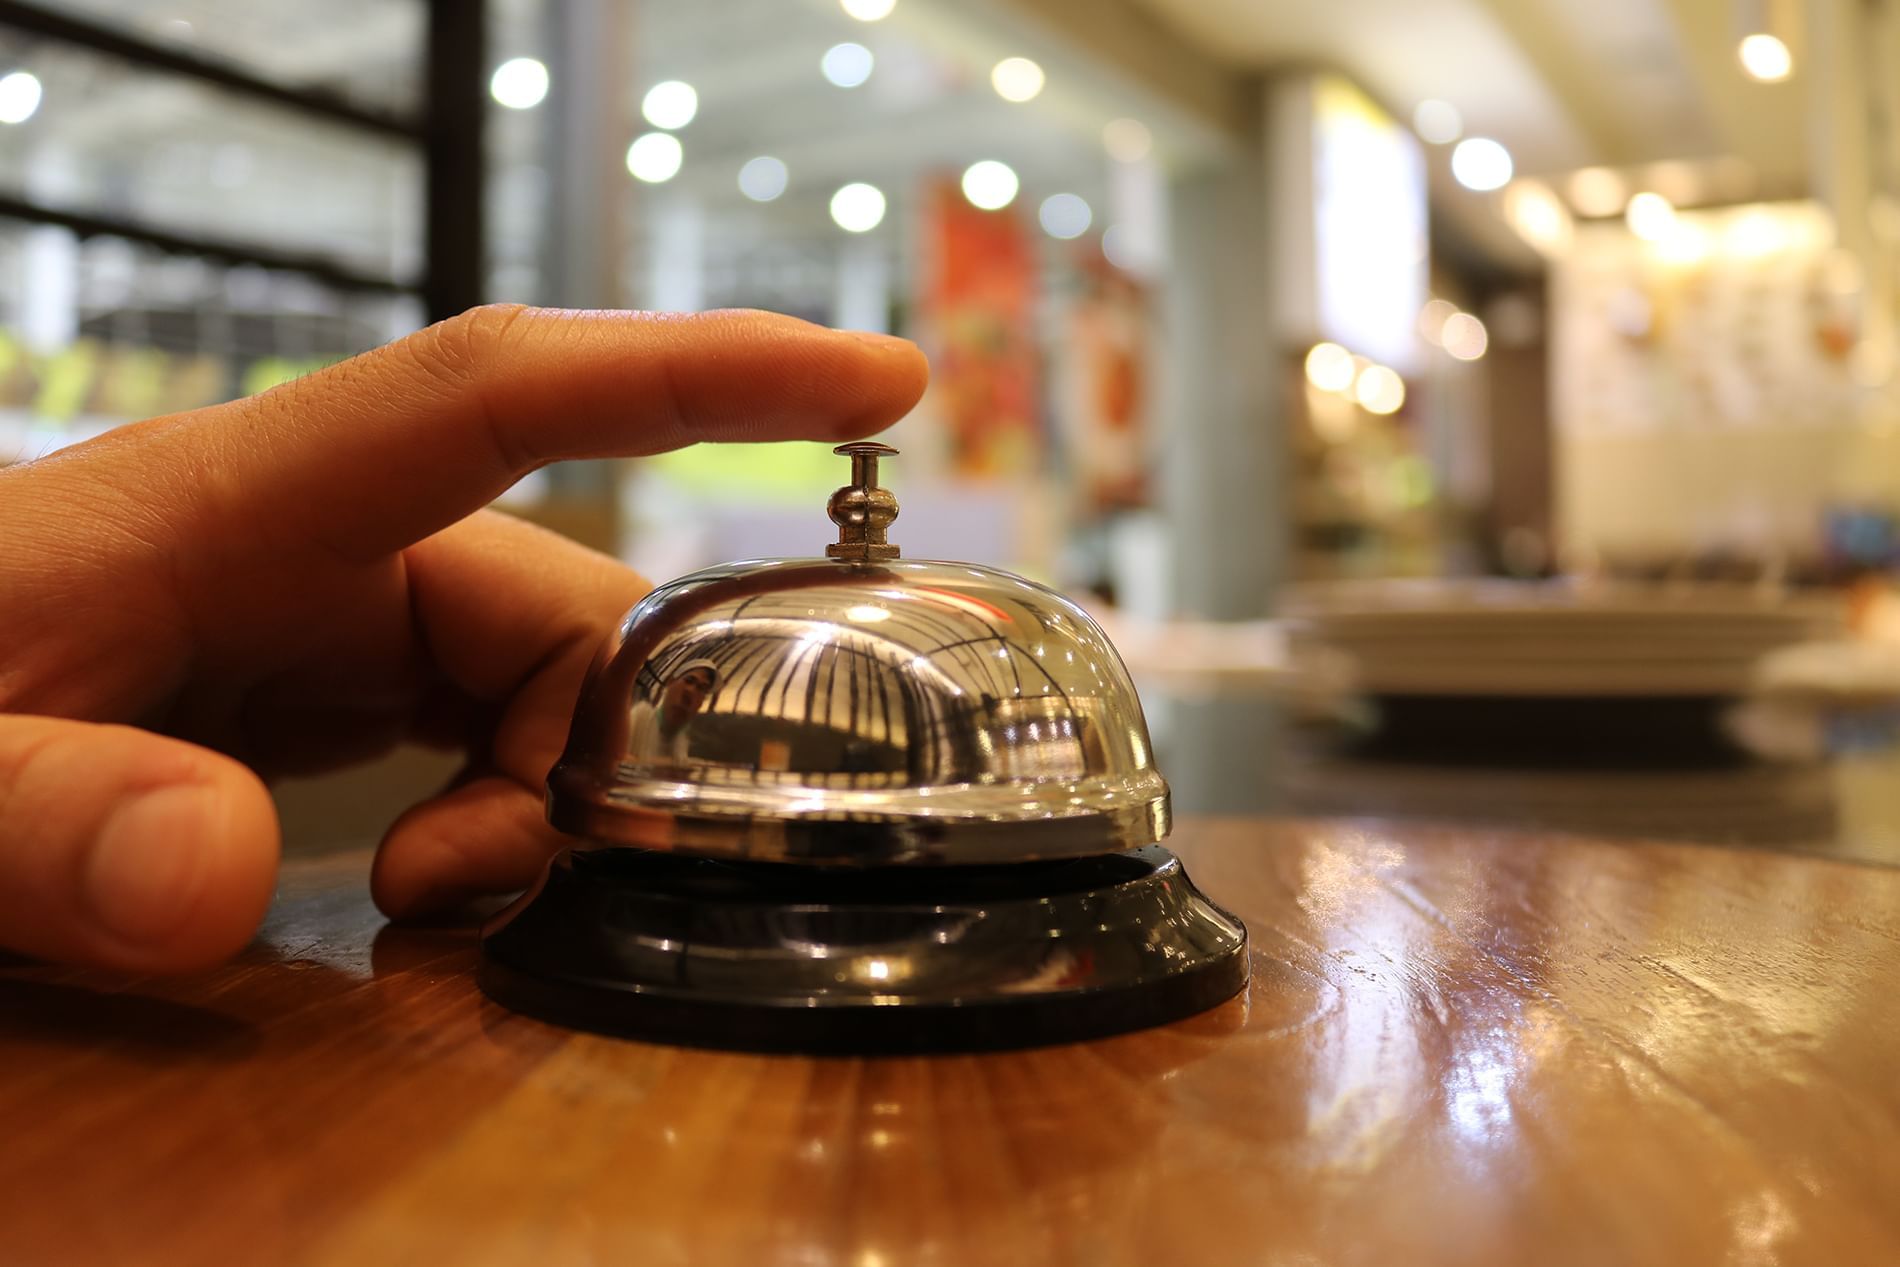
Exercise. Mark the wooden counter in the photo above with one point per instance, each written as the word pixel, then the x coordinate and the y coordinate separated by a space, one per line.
pixel 1457 1048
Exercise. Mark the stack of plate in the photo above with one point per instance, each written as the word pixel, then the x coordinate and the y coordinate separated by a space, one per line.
pixel 1552 639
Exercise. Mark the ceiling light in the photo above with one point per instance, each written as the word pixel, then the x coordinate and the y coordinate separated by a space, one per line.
pixel 1765 58
pixel 670 104
pixel 655 157
pixel 989 184
pixel 520 83
pixel 1329 367
pixel 1127 140
pixel 846 65
pixel 1438 122
pixel 1379 389
pixel 763 178
pixel 1464 336
pixel 1651 216
pixel 19 96
pixel 1016 79
pixel 1064 216
pixel 858 208
pixel 1482 164
pixel 868 10
pixel 1597 191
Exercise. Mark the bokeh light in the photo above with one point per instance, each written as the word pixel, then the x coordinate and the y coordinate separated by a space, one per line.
pixel 670 104
pixel 1330 367
pixel 989 184
pixel 763 178
pixel 1481 164
pixel 1379 390
pixel 1765 58
pixel 1438 122
pixel 858 207
pixel 847 65
pixel 1651 216
pixel 655 157
pixel 1464 336
pixel 520 83
pixel 1432 318
pixel 19 96
pixel 1064 216
pixel 868 10
pixel 1016 79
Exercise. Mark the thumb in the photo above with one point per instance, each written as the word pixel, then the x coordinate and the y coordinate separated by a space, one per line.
pixel 123 849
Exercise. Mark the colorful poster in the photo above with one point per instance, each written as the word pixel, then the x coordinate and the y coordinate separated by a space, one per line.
pixel 979 299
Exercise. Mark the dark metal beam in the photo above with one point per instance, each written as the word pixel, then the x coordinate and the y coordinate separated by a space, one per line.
pixel 319 267
pixel 457 96
pixel 130 48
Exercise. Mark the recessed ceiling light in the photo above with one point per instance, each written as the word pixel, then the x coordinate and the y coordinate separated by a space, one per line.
pixel 1482 164
pixel 1016 79
pixel 520 83
pixel 670 104
pixel 846 65
pixel 655 157
pixel 858 207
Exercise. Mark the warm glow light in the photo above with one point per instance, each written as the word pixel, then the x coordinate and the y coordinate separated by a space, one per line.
pixel 1127 140
pixel 868 10
pixel 19 96
pixel 1482 164
pixel 867 615
pixel 1464 336
pixel 1379 390
pixel 520 83
pixel 1597 191
pixel 989 184
pixel 1539 217
pixel 858 208
pixel 1330 368
pixel 1755 234
pixel 1685 243
pixel 1016 79
pixel 1766 58
pixel 1438 122
pixel 1064 216
pixel 763 178
pixel 1651 216
pixel 655 157
pixel 846 65
pixel 670 104
pixel 1432 318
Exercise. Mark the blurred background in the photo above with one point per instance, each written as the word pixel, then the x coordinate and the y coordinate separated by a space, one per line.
pixel 1482 409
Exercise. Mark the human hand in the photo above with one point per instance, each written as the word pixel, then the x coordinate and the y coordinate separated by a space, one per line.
pixel 305 578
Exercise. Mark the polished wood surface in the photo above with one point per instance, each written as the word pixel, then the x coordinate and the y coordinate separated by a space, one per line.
pixel 1458 1047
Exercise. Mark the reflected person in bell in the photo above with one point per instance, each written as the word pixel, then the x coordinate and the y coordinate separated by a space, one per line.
pixel 659 733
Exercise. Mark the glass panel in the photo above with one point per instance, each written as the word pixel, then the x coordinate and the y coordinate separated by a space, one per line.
pixel 368 52
pixel 172 154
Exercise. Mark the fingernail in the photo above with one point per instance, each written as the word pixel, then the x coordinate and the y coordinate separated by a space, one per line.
pixel 142 879
pixel 872 339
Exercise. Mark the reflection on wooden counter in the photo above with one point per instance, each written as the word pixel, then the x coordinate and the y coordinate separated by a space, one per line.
pixel 1458 1047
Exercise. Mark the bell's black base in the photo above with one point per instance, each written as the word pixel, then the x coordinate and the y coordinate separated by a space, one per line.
pixel 771 957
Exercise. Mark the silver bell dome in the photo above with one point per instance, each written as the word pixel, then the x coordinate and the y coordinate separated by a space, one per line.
pixel 860 709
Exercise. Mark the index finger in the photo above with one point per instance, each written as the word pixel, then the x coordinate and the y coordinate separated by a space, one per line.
pixel 377 452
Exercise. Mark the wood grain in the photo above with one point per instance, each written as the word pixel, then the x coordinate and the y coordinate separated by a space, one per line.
pixel 1457 1048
